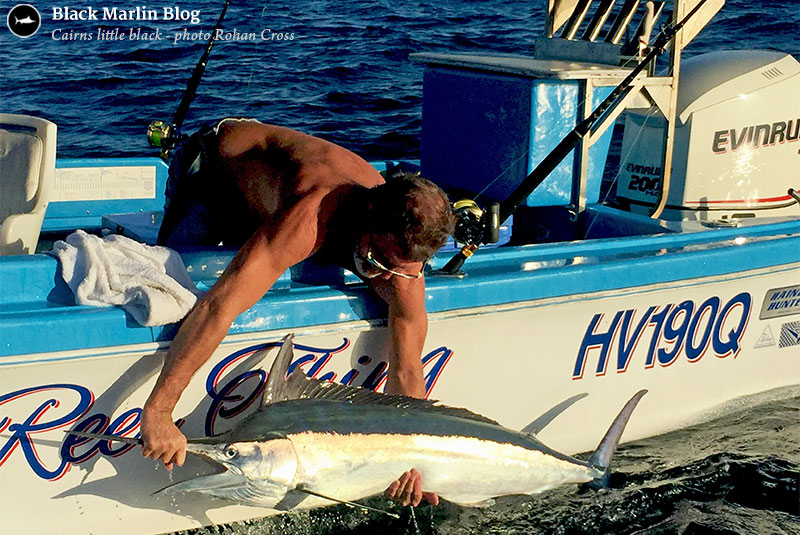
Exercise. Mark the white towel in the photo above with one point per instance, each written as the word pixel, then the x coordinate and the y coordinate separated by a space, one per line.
pixel 151 283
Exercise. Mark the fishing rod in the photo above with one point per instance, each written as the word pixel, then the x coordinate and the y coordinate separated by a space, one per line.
pixel 473 224
pixel 166 136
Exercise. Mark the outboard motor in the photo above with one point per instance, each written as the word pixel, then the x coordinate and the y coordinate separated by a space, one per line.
pixel 737 146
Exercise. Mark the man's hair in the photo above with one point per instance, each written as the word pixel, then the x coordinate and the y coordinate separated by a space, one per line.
pixel 415 211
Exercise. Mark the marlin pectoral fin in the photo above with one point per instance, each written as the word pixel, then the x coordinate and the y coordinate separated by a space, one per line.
pixel 542 421
pixel 225 480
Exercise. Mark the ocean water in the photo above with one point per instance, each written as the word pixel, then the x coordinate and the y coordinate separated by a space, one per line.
pixel 345 76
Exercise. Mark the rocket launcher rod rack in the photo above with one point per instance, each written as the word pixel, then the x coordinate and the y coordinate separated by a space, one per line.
pixel 589 127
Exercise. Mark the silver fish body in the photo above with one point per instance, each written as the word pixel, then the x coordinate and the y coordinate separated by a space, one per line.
pixel 313 440
pixel 352 451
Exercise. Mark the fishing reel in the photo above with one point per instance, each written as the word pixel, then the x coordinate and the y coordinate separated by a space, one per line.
pixel 475 226
pixel 162 135
pixel 165 136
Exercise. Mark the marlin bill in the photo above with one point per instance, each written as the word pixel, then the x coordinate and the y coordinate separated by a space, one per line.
pixel 313 443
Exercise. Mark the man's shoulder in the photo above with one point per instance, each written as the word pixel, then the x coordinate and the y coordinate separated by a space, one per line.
pixel 237 136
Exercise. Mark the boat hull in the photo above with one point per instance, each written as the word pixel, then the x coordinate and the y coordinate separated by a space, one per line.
pixel 694 344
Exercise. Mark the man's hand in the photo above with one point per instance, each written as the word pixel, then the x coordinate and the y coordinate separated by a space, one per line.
pixel 162 438
pixel 408 490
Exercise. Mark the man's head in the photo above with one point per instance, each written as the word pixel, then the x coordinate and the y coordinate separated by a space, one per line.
pixel 409 219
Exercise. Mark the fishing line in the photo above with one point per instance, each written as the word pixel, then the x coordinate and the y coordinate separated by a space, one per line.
pixel 253 65
pixel 345 502
pixel 503 172
pixel 414 519
pixel 624 158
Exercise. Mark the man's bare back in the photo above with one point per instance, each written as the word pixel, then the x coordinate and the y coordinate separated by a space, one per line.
pixel 259 174
pixel 275 166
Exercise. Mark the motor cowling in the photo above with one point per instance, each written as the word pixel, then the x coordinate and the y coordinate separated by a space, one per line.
pixel 737 146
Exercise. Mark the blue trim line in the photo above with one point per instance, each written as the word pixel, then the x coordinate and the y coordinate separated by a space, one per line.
pixel 34 300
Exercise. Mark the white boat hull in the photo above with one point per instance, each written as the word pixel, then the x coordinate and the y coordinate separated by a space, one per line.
pixel 509 362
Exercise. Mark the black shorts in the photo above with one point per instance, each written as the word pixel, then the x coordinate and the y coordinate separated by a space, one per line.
pixel 203 206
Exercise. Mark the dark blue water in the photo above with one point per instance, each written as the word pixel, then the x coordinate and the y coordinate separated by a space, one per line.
pixel 346 77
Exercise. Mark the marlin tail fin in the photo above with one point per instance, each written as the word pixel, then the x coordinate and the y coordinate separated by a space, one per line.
pixel 601 458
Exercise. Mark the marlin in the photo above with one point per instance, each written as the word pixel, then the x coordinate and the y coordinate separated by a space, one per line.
pixel 312 443
pixel 26 20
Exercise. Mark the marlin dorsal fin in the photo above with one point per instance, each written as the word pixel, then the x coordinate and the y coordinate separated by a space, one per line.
pixel 299 386
pixel 275 389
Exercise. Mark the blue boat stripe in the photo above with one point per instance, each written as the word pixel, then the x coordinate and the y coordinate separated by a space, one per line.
pixel 496 277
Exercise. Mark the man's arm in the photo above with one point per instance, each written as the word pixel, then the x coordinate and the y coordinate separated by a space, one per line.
pixel 253 271
pixel 408 327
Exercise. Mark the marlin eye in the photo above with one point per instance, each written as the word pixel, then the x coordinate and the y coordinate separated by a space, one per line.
pixel 231 452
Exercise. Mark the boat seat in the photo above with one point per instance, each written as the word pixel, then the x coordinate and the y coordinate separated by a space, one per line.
pixel 27 173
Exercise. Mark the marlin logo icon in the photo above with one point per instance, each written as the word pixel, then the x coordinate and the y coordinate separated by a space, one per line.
pixel 24 20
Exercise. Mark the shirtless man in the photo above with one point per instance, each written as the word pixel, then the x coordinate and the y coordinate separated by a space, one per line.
pixel 283 196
